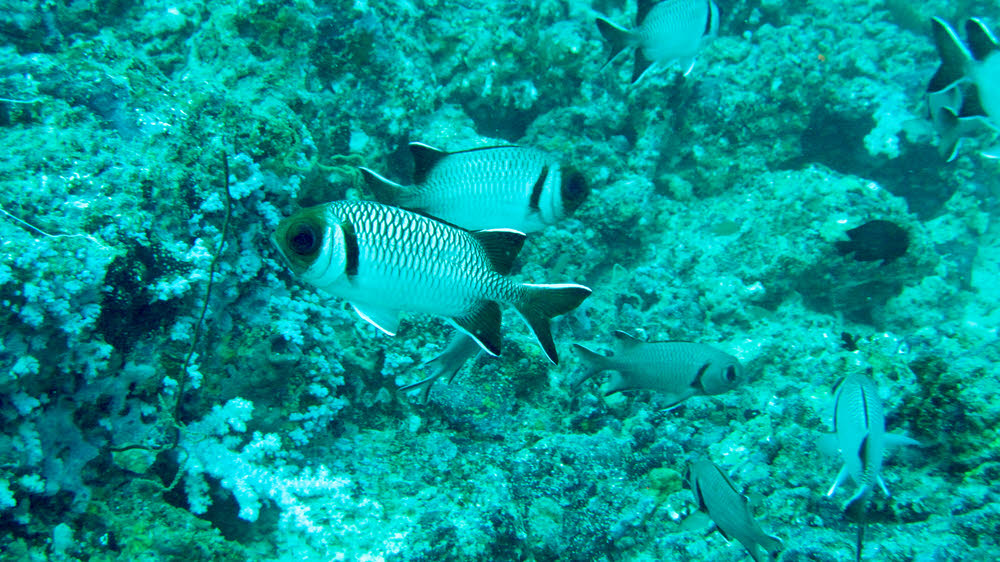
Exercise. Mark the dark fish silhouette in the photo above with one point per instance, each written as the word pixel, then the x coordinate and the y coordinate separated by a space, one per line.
pixel 875 240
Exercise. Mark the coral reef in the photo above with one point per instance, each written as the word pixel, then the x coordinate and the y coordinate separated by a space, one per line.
pixel 277 433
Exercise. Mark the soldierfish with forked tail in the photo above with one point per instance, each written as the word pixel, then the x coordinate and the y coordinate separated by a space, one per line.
pixel 384 260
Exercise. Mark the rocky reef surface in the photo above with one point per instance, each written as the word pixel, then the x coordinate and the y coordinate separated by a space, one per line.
pixel 168 390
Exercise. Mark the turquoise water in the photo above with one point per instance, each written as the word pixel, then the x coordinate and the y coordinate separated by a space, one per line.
pixel 170 390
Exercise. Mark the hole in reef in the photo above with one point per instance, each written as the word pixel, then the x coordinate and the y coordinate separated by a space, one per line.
pixel 837 141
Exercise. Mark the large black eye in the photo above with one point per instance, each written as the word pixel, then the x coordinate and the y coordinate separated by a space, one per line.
pixel 730 373
pixel 303 239
pixel 574 189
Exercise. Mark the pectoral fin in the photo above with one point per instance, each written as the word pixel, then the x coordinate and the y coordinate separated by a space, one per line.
pixel 384 319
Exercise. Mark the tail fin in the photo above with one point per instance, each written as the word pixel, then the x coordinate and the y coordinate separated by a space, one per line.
pixel 385 190
pixel 954 57
pixel 593 362
pixel 543 302
pixel 617 37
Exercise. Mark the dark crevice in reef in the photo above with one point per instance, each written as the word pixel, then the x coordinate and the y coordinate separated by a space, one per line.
pixel 837 141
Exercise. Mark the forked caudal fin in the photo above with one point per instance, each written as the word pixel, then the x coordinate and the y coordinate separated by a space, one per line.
pixel 543 302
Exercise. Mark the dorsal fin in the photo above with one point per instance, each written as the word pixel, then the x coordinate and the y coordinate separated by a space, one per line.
pixel 501 246
pixel 981 41
pixel 624 342
pixel 425 157
pixel 642 10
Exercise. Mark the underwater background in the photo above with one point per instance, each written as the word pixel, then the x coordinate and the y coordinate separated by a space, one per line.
pixel 168 390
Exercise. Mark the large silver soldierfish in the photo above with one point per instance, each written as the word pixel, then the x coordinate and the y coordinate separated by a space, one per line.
pixel 965 90
pixel 729 509
pixel 384 260
pixel 678 369
pixel 664 32
pixel 860 439
pixel 482 188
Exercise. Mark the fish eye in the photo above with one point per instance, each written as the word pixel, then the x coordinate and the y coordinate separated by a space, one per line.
pixel 302 239
pixel 731 374
pixel 574 189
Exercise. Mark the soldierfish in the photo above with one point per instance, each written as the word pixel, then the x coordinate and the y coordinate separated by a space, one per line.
pixel 860 438
pixel 728 508
pixel 384 260
pixel 483 188
pixel 664 32
pixel 678 369
pixel 974 74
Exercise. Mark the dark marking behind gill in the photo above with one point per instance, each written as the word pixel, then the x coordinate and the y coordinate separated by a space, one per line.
pixel 350 248
pixel 536 190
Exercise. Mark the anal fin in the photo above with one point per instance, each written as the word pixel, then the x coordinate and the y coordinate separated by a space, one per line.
pixel 482 323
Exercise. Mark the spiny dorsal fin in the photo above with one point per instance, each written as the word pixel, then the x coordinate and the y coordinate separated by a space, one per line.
pixel 981 41
pixel 624 341
pixel 501 246
pixel 425 157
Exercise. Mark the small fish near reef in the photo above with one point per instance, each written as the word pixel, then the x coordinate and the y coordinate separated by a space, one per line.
pixel 729 510
pixel 860 440
pixel 665 32
pixel 678 369
pixel 384 260
pixel 875 240
pixel 482 188
pixel 965 90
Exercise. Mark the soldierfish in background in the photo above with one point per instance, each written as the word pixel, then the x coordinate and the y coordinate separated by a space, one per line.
pixel 678 369
pixel 860 439
pixel 729 509
pixel 482 188
pixel 384 260
pixel 664 32
pixel 975 73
